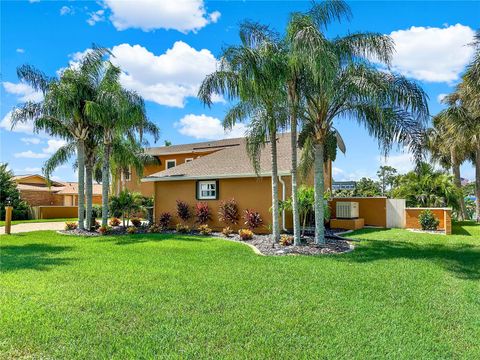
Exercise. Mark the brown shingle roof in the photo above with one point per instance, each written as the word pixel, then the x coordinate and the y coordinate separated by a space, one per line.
pixel 194 147
pixel 71 188
pixel 230 162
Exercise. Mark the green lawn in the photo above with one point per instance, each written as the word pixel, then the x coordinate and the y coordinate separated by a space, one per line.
pixel 399 295
pixel 15 222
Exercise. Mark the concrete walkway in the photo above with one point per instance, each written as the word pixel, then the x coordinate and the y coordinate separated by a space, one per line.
pixel 27 227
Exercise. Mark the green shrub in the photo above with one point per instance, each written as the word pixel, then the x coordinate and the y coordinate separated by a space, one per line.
pixel 9 190
pixel 227 231
pixel 204 230
pixel 155 229
pixel 131 230
pixel 427 220
pixel 245 234
pixel 96 211
pixel 183 229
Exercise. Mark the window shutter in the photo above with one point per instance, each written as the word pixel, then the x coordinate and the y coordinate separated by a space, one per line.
pixel 197 186
pixel 217 189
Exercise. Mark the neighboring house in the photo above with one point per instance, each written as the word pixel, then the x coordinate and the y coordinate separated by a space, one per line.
pixel 213 171
pixel 344 185
pixel 37 191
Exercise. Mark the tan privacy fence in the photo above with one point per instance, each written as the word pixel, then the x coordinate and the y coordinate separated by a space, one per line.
pixel 54 212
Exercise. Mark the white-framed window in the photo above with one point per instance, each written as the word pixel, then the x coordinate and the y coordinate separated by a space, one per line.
pixel 207 190
pixel 127 174
pixel 170 163
pixel 188 159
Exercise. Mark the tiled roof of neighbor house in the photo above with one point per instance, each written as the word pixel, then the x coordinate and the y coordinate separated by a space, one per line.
pixel 195 147
pixel 58 187
pixel 40 187
pixel 231 162
pixel 71 188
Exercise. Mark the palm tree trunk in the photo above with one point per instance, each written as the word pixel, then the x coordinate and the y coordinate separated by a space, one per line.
pixel 458 183
pixel 477 180
pixel 275 212
pixel 293 140
pixel 88 194
pixel 105 184
pixel 319 190
pixel 81 183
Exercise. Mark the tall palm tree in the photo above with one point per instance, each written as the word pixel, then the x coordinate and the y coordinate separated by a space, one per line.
pixel 249 74
pixel 61 113
pixel 119 114
pixel 389 106
pixel 450 150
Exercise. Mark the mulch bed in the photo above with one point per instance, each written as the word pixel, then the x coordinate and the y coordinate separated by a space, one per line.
pixel 263 243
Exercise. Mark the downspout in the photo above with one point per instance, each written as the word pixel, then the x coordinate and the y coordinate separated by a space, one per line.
pixel 283 199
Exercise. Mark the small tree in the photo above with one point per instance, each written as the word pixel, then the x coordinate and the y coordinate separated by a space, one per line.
pixel 427 220
pixel 8 190
pixel 126 203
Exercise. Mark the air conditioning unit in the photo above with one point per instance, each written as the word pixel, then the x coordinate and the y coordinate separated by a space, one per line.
pixel 347 210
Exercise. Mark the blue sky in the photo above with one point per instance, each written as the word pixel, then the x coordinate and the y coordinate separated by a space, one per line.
pixel 166 48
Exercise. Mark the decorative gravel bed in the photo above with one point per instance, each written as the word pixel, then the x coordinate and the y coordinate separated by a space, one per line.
pixel 263 243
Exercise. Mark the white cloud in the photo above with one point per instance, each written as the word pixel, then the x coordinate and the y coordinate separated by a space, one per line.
pixel 53 145
pixel 20 50
pixel 207 127
pixel 167 79
pixel 337 171
pixel 403 162
pixel 181 15
pixel 432 54
pixel 440 97
pixel 24 91
pixel 31 140
pixel 6 124
pixel 28 170
pixel 66 10
pixel 30 155
pixel 96 16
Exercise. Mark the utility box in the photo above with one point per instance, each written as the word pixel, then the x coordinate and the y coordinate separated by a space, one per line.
pixel 347 210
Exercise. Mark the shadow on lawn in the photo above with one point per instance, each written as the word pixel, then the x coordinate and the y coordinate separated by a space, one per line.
pixel 143 238
pixel 31 256
pixel 463 260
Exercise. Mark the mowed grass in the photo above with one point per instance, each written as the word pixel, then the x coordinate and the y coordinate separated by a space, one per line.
pixel 399 295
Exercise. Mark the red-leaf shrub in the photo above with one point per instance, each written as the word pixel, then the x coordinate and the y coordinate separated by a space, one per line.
pixel 252 219
pixel 136 222
pixel 164 220
pixel 228 212
pixel 183 210
pixel 202 213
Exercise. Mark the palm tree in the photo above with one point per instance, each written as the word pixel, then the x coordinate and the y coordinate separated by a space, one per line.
pixel 249 73
pixel 350 87
pixel 450 150
pixel 61 113
pixel 119 114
